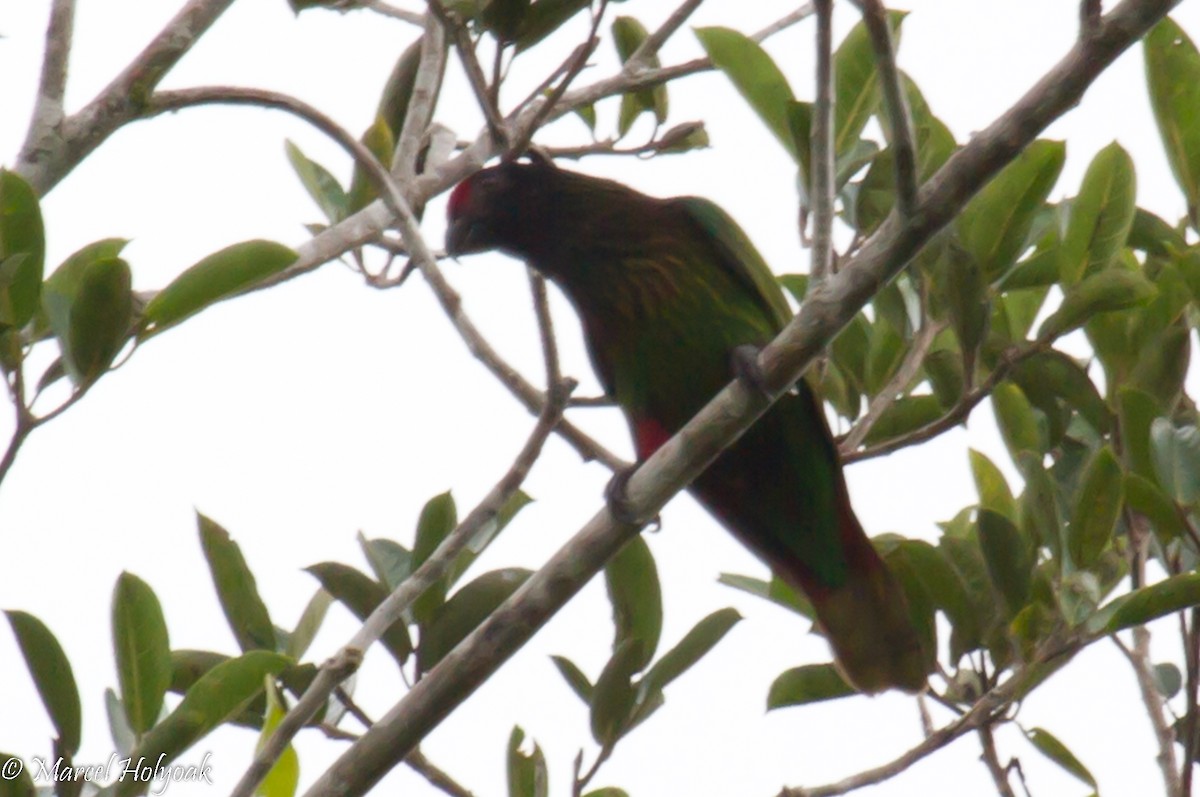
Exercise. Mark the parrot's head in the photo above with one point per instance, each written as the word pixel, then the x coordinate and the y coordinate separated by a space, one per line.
pixel 503 208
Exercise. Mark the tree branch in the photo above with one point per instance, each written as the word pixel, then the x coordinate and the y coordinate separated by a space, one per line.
pixel 390 611
pixel 823 154
pixel 654 42
pixel 48 110
pixel 470 63
pixel 895 103
pixel 421 102
pixel 53 157
pixel 685 455
pixel 991 760
pixel 904 375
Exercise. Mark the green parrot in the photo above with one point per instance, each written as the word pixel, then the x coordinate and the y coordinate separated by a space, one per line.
pixel 668 291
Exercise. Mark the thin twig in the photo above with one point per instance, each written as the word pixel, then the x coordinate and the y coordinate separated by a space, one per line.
pixel 391 609
pixel 904 375
pixel 470 62
pixel 521 141
pixel 541 307
pixel 895 103
pixel 165 101
pixel 1191 647
pixel 821 179
pixel 654 42
pixel 957 414
pixel 388 10
pixel 730 413
pixel 991 760
pixel 436 776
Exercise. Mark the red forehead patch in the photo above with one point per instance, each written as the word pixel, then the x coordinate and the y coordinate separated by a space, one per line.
pixel 459 198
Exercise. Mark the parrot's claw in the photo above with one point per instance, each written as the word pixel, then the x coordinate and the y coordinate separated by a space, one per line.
pixel 619 504
pixel 747 369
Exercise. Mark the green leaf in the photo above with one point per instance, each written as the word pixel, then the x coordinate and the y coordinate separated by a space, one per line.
pixel 236 588
pixel 503 18
pixel 904 415
pixel 361 595
pixel 755 76
pixel 1050 376
pixel 1152 235
pixel 1167 679
pixel 322 186
pixel 767 590
pixel 100 318
pixel 1097 507
pixel 1008 558
pixel 1039 516
pixel 142 649
pixel 486 534
pixel 284 775
pixel 380 140
pixel 220 694
pixel 62 286
pixel 703 637
pixel 21 232
pixel 309 624
pixel 124 739
pixel 809 683
pixel 390 561
pixel 995 224
pixel 993 490
pixel 52 675
pixel 628 34
pixel 632 580
pixel 607 791
pixel 438 518
pixel 1103 292
pixel 1176 456
pixel 1173 76
pixel 614 696
pixel 1101 215
pixel 855 84
pixel 527 776
pixel 1014 416
pixel 1144 497
pixel 574 677
pixel 219 276
pixel 1146 604
pixel 544 17
pixel 397 92
pixel 966 295
pixel 1049 746
pixel 465 610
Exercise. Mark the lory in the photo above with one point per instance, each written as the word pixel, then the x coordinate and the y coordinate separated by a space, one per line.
pixel 667 290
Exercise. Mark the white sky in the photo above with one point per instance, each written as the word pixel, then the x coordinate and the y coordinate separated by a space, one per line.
pixel 298 416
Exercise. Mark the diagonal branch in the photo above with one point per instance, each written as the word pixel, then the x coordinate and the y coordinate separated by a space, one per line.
pixel 421 101
pixel 470 63
pixel 121 101
pixel 390 611
pixel 895 103
pixel 686 454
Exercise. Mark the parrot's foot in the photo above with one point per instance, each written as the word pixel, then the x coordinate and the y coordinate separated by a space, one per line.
pixel 619 504
pixel 746 368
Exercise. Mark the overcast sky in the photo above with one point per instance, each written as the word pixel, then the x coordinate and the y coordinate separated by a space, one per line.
pixel 299 416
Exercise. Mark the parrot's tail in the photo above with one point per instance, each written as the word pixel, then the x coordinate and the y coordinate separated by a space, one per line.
pixel 866 618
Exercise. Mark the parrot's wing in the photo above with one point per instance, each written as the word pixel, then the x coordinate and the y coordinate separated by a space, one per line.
pixel 737 255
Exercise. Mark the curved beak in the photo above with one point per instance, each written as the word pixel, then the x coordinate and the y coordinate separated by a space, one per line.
pixel 463 237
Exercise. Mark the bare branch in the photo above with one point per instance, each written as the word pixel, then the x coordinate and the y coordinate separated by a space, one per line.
pixel 895 103
pixel 685 455
pixel 904 375
pixel 392 11
pixel 541 306
pixel 654 42
pixel 48 110
pixel 1090 15
pixel 470 62
pixel 823 154
pixel 438 777
pixel 991 760
pixel 956 415
pixel 422 100
pixel 121 101
pixel 389 191
pixel 390 611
